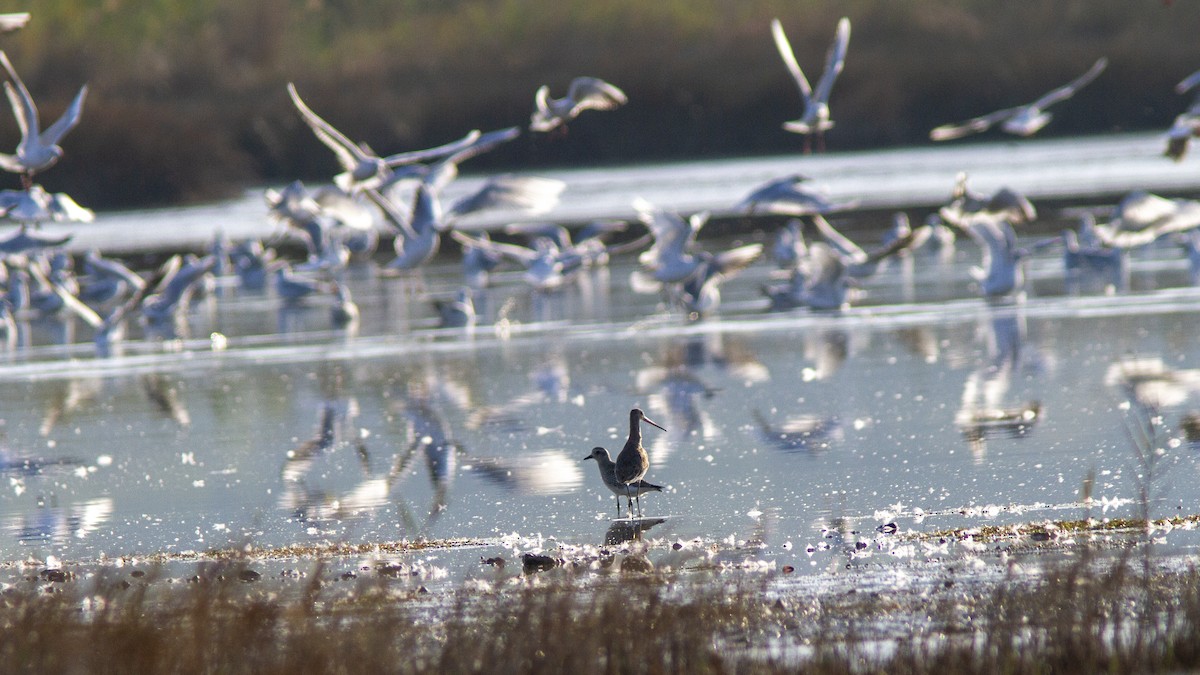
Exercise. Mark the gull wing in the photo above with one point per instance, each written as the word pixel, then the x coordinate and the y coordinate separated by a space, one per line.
pixel 521 254
pixel 948 132
pixel 53 135
pixel 446 170
pixel 392 213
pixel 1068 90
pixel 789 59
pixel 403 158
pixel 834 61
pixel 530 194
pixel 736 259
pixel 347 210
pixel 671 232
pixel 594 94
pixel 1186 84
pixel 21 101
pixel 349 155
pixel 838 241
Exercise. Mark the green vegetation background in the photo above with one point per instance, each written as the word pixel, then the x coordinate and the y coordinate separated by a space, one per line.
pixel 187 99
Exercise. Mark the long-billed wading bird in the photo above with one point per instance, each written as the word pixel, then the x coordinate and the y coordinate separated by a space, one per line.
pixel 609 476
pixel 633 462
pixel 1022 120
pixel 815 118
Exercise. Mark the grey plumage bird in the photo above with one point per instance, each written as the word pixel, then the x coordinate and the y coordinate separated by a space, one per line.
pixel 608 475
pixel 633 462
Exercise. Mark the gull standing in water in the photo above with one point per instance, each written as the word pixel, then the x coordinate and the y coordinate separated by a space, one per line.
pixel 633 462
pixel 609 476
pixel 38 150
pixel 362 168
pixel 815 119
pixel 1023 120
pixel 584 93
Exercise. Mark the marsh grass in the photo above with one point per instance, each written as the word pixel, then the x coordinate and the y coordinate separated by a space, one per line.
pixel 1089 615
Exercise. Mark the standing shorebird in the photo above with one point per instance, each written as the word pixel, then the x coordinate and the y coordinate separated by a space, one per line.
pixel 633 461
pixel 609 475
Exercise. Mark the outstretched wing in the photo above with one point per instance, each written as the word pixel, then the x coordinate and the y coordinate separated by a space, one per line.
pixel 1068 90
pixel 348 154
pixel 22 103
pixel 592 93
pixel 789 59
pixel 834 61
pixel 974 125
pixel 53 135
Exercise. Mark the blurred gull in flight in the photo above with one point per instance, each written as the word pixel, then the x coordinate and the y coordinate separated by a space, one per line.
pixel 584 93
pixel 815 119
pixel 362 168
pixel 38 150
pixel 789 195
pixel 1025 120
pixel 1187 123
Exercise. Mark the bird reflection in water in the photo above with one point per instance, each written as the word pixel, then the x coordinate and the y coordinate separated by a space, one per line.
pixel 551 385
pixel 675 387
pixel 805 434
pixel 69 397
pixel 428 432
pixel 56 524
pixel 987 409
pixel 622 531
pixel 531 473
pixel 308 503
pixel 164 394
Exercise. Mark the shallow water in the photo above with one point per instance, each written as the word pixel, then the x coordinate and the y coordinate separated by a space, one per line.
pixel 289 432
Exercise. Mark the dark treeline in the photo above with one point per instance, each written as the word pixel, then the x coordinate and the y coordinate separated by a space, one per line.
pixel 187 100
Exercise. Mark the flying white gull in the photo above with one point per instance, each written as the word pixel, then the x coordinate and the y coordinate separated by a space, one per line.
pixel 584 93
pixel 1023 120
pixel 38 150
pixel 362 168
pixel 815 119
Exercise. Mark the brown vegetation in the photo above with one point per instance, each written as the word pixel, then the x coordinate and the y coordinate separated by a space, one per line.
pixel 1087 616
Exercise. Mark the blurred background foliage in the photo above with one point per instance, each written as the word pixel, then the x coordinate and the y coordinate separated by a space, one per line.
pixel 187 100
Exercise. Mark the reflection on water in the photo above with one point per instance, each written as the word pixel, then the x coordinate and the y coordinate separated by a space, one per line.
pixel 987 409
pixel 787 431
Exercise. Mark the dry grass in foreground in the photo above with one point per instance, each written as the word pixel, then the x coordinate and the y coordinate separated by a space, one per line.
pixel 1082 617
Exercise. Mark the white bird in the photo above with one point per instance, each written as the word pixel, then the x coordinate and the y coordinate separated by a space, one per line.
pixel 815 119
pixel 584 93
pixel 362 168
pixel 38 150
pixel 670 259
pixel 1006 202
pixel 34 205
pixel 790 195
pixel 1024 120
